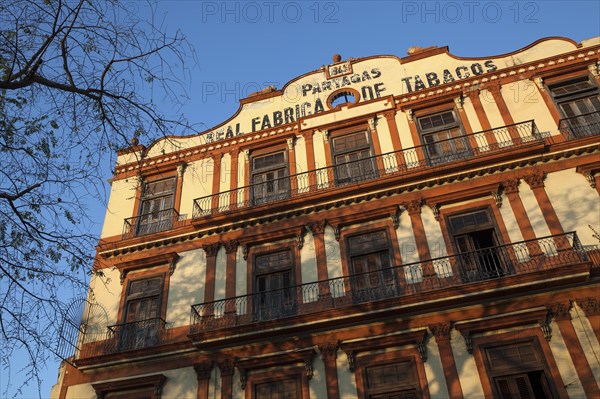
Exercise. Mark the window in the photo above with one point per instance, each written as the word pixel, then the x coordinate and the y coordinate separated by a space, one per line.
pixel 518 371
pixel 476 242
pixel 148 387
pixel 342 97
pixel 156 211
pixel 143 324
pixel 579 101
pixel 270 178
pixel 353 159
pixel 284 389
pixel 392 381
pixel 274 285
pixel 443 140
pixel 372 277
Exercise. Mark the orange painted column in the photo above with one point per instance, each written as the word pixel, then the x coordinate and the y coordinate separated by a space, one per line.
pixel 511 189
pixel 504 112
pixel 310 159
pixel 318 232
pixel 233 178
pixel 417 154
pixel 328 172
pixel 179 187
pixel 203 371
pixel 227 369
pixel 536 182
pixel 414 211
pixel 390 117
pixel 376 145
pixel 441 332
pixel 483 119
pixel 211 268
pixel 216 182
pixel 329 356
pixel 230 269
pixel 562 316
pixel 291 142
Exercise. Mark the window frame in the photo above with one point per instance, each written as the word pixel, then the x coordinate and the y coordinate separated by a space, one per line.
pixel 410 354
pixel 346 152
pixel 252 172
pixel 507 372
pixel 468 256
pixel 254 284
pixel 167 220
pixel 373 293
pixel 442 158
pixel 281 372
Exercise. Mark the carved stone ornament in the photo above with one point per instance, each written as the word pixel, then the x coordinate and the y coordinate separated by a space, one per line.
pixel 245 251
pixel 409 115
pixel 389 115
pixel 203 370
pixel 591 179
pixel 539 82
pixel 511 186
pixel 371 122
pixel 497 196
pixel 535 180
pixel 436 211
pixel 318 227
pixel 227 367
pixel 546 330
pixel 337 231
pixel 325 136
pixel 231 246
pixel 351 360
pixel 589 305
pixel 441 331
pixel 172 266
pixel 180 169
pixel 329 350
pixel 561 310
pixel 122 276
pixel 211 249
pixel 413 207
pixel 458 101
pixel 595 69
pixel 290 142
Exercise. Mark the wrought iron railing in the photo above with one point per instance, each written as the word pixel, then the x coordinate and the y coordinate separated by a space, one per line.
pixel 580 126
pixel 136 335
pixel 399 162
pixel 150 223
pixel 486 264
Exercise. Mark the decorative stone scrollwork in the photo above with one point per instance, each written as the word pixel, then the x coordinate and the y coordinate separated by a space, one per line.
pixel 227 367
pixel 318 227
pixel 535 180
pixel 211 249
pixel 436 211
pixel 329 350
pixel 351 360
pixel 441 331
pixel 561 310
pixel 511 186
pixel 591 179
pixel 180 169
pixel 231 246
pixel 595 69
pixel 422 348
pixel 245 250
pixel 539 83
pixel 413 207
pixel 291 141
pixel 371 122
pixel 497 196
pixel 458 101
pixel 589 305
pixel 546 329
pixel 203 370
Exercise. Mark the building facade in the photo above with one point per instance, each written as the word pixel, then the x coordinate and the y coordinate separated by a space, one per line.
pixel 382 227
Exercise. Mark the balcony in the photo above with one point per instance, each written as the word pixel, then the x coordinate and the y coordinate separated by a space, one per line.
pixel 580 126
pixel 150 223
pixel 141 334
pixel 509 265
pixel 398 163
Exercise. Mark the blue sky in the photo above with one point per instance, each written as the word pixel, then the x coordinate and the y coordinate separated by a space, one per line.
pixel 244 46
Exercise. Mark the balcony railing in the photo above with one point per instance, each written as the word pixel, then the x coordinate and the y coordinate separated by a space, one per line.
pixel 580 126
pixel 392 163
pixel 150 223
pixel 488 264
pixel 136 335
